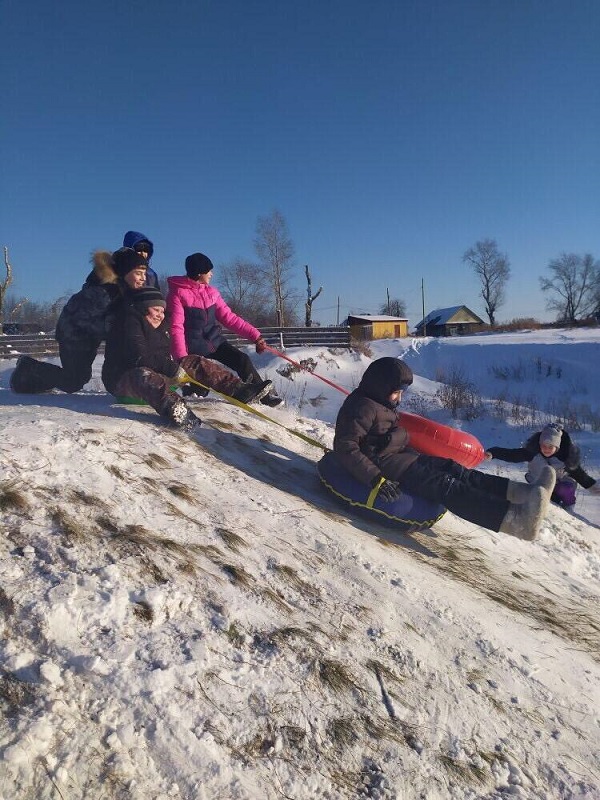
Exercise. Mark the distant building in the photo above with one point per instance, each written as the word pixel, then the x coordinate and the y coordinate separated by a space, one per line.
pixel 368 326
pixel 454 321
pixel 16 328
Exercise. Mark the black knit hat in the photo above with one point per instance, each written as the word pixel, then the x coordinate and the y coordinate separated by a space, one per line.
pixel 197 264
pixel 125 259
pixel 145 246
pixel 146 298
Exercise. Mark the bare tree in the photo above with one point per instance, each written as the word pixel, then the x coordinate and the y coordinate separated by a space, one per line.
pixel 310 299
pixel 22 310
pixel 6 282
pixel 393 307
pixel 493 271
pixel 18 306
pixel 245 290
pixel 574 287
pixel 275 250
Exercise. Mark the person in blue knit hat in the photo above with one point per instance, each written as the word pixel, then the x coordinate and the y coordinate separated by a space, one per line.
pixel 143 245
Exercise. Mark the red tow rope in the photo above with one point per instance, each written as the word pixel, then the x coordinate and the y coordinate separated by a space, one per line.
pixel 304 369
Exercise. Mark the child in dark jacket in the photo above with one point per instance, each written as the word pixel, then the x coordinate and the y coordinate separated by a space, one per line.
pixel 372 446
pixel 554 447
pixel 138 363
pixel 197 311
pixel 83 324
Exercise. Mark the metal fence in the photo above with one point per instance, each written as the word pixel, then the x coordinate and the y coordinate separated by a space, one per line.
pixel 44 344
pixel 282 338
pixel 33 344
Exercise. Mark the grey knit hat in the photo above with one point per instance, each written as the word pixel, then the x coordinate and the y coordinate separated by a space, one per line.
pixel 551 435
pixel 147 297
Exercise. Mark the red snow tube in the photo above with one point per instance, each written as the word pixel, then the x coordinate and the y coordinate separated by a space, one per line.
pixel 434 439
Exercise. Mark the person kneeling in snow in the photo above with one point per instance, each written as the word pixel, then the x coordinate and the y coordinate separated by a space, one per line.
pixel 137 362
pixel 371 445
pixel 554 447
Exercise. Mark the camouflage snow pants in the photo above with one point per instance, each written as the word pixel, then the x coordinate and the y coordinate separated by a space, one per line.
pixel 155 389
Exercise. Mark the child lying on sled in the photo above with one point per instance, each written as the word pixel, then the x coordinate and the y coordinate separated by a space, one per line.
pixel 371 445
pixel 554 447
pixel 138 363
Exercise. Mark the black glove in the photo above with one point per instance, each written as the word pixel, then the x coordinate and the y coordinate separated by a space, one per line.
pixel 389 491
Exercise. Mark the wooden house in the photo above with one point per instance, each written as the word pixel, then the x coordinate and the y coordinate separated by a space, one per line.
pixel 454 321
pixel 365 327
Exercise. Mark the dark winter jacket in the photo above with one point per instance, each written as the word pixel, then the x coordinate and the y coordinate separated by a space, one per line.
pixel 367 431
pixel 132 342
pixel 132 238
pixel 82 322
pixel 567 458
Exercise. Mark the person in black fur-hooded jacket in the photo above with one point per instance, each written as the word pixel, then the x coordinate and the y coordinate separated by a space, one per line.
pixel 82 324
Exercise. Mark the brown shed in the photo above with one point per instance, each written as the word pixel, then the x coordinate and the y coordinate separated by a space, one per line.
pixel 367 326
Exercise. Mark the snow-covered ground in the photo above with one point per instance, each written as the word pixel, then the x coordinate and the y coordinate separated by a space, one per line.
pixel 193 617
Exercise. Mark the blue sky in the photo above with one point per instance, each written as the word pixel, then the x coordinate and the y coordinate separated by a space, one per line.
pixel 391 135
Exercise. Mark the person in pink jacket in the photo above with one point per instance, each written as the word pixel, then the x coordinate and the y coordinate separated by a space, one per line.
pixel 197 311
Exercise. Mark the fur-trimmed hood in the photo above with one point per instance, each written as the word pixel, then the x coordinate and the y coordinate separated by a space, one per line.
pixel 103 270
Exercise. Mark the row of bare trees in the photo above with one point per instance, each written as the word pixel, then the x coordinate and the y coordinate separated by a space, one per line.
pixel 572 290
pixel 262 290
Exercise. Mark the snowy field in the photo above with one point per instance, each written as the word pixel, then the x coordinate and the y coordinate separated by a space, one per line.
pixel 192 617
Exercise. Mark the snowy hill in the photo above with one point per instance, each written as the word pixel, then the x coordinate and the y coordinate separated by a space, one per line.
pixel 193 617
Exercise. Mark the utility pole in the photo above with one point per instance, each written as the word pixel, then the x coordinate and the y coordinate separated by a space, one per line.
pixel 388 302
pixel 423 302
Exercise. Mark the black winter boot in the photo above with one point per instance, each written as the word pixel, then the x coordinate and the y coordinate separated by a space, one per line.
pixel 27 377
pixel 248 392
pixel 181 416
pixel 272 400
pixel 191 390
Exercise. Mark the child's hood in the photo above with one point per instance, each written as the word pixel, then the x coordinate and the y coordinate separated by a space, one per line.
pixel 384 376
pixel 132 238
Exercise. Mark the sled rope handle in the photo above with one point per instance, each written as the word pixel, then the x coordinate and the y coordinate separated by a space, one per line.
pixel 258 413
pixel 374 492
pixel 303 369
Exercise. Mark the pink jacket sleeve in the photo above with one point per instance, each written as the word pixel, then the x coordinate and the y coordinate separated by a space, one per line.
pixel 232 322
pixel 177 317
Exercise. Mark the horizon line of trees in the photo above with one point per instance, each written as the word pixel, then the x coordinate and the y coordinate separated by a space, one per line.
pixel 572 290
pixel 263 291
